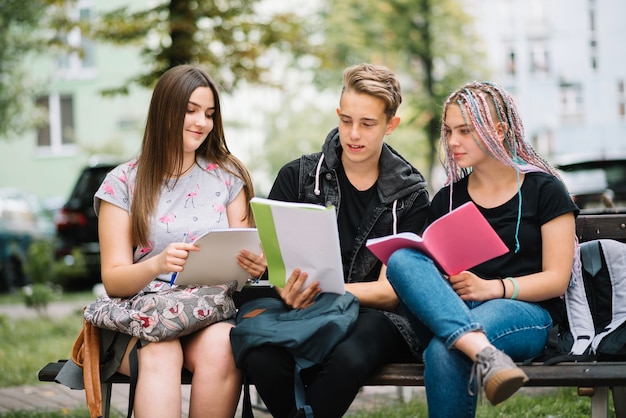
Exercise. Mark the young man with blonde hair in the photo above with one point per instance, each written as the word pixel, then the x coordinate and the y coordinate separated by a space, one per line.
pixel 376 192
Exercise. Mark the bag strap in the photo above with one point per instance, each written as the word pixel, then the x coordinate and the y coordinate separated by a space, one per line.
pixel 300 395
pixel 86 354
pixel 134 373
pixel 246 411
pixel 569 358
pixel 577 304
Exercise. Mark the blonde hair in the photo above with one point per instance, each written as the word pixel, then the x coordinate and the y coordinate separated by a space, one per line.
pixel 377 81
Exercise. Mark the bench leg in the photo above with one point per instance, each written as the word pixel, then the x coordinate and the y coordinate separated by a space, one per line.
pixel 106 399
pixel 619 401
pixel 600 402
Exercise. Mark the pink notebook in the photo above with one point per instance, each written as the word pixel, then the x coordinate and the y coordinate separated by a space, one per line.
pixel 457 241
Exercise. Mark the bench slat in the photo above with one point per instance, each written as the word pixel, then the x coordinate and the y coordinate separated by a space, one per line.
pixel 563 374
pixel 606 226
pixel 412 374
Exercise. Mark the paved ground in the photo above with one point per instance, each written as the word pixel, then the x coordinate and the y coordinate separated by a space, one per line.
pixel 52 396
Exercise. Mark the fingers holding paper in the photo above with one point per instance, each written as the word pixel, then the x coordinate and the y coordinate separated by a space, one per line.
pixel 295 295
pixel 254 264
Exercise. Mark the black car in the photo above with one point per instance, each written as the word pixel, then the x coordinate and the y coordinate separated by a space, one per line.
pixel 77 224
pixel 597 183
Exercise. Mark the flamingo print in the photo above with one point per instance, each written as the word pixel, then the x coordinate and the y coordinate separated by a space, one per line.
pixel 219 208
pixel 211 167
pixel 191 195
pixel 147 249
pixel 167 219
pixel 108 189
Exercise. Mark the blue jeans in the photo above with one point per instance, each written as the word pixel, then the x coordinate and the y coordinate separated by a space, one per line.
pixel 439 317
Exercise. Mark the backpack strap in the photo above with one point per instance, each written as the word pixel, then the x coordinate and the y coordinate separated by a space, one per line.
pixel 569 358
pixel 614 253
pixel 246 407
pixel 133 361
pixel 301 404
pixel 86 354
pixel 591 257
pixel 578 311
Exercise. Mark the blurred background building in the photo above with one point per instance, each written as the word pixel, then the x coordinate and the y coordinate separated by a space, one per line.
pixel 563 60
pixel 565 63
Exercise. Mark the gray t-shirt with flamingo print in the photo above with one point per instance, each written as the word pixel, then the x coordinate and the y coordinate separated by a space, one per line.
pixel 194 205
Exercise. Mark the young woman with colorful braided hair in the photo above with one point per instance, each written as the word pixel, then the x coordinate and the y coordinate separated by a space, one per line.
pixel 475 324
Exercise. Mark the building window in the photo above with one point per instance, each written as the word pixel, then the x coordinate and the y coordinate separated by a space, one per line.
pixel 543 141
pixel 539 59
pixel 510 63
pixel 621 100
pixel 56 136
pixel 571 102
pixel 81 62
pixel 593 43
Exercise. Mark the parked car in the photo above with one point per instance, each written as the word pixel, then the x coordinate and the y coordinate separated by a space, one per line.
pixel 22 221
pixel 77 224
pixel 597 182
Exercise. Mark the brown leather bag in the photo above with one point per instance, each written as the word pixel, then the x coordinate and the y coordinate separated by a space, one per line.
pixel 86 354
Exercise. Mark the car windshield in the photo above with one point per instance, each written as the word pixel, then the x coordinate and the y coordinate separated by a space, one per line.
pixel 596 184
pixel 17 212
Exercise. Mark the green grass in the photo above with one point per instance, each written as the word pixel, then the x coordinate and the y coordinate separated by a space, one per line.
pixel 73 413
pixel 7 298
pixel 29 344
pixel 554 403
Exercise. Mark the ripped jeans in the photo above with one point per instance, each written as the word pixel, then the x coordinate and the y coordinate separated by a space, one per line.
pixel 439 317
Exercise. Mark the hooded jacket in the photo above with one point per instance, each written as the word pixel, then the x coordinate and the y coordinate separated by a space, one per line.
pixel 401 190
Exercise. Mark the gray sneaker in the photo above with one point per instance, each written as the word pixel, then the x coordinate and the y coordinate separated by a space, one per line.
pixel 498 375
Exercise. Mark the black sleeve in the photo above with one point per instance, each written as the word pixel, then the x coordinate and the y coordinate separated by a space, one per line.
pixel 556 201
pixel 415 220
pixel 285 186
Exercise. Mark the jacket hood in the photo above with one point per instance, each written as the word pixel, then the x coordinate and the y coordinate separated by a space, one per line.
pixel 397 176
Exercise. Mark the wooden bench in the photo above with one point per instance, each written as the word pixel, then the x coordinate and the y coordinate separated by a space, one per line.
pixel 593 379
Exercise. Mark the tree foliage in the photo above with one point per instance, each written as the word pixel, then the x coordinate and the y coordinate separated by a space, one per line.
pixel 429 43
pixel 19 36
pixel 230 37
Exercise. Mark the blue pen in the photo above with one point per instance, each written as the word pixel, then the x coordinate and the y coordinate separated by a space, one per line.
pixel 173 279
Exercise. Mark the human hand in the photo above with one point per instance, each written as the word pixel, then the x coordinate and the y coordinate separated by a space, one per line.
pixel 254 264
pixel 174 256
pixel 294 296
pixel 470 287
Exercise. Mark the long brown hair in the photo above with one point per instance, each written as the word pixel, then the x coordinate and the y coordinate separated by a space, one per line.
pixel 162 145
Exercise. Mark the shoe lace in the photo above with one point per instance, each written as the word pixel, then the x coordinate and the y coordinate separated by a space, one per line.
pixel 478 372
pixel 475 380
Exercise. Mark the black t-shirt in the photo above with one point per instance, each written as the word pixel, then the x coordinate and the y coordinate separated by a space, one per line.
pixel 544 198
pixel 354 205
